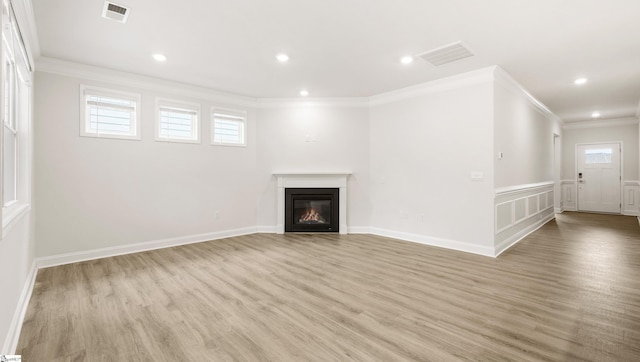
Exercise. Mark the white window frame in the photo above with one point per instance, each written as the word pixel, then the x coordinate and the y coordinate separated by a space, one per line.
pixel 85 120
pixel 180 106
pixel 242 117
pixel 14 210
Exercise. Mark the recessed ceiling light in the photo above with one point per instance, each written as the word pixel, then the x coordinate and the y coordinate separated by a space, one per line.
pixel 159 57
pixel 282 57
pixel 580 81
pixel 595 115
pixel 406 60
pixel 304 92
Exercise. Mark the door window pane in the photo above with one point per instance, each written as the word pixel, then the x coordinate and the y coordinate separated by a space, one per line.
pixel 598 156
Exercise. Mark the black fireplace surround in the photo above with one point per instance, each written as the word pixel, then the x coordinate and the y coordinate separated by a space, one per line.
pixel 311 210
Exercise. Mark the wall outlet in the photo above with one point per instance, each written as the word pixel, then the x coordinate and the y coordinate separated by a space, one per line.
pixel 216 215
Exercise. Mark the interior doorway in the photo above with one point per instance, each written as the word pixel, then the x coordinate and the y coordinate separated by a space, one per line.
pixel 598 175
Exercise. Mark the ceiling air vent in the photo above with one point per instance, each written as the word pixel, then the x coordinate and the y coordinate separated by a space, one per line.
pixel 115 12
pixel 446 54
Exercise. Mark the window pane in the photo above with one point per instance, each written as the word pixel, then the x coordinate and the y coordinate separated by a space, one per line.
pixel 9 166
pixel 228 129
pixel 598 156
pixel 109 115
pixel 178 124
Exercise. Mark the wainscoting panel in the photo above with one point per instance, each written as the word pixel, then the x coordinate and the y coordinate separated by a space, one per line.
pixel 520 210
pixel 569 195
pixel 630 196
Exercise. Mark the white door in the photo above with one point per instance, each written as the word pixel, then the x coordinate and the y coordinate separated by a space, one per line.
pixel 599 177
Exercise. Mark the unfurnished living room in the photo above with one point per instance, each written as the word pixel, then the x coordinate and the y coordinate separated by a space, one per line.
pixel 297 180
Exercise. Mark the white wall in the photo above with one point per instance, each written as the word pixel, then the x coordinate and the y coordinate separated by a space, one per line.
pixel 96 193
pixel 424 147
pixel 524 134
pixel 306 137
pixel 527 175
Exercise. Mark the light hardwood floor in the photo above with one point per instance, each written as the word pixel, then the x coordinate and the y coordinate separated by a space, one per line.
pixel 570 291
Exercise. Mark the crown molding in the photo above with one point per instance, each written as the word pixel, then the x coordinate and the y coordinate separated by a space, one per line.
pixel 597 123
pixel 99 74
pixel 479 76
pixel 503 78
pixel 353 102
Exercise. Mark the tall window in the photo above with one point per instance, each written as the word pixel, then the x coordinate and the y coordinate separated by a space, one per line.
pixel 16 120
pixel 228 127
pixel 178 121
pixel 109 113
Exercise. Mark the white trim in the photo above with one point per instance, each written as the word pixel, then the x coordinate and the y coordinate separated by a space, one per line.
pixel 177 89
pixel 359 230
pixel 233 112
pixel 514 239
pixel 27 23
pixel 630 197
pixel 75 257
pixel 504 79
pixel 13 335
pixel 558 210
pixel 575 170
pixel 11 216
pixel 479 76
pixel 162 102
pixel 350 102
pixel 173 89
pixel 113 93
pixel 266 229
pixel 504 191
pixel 434 241
pixel 311 179
pixel 597 123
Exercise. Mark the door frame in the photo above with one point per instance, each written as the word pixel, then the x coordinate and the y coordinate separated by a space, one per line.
pixel 575 170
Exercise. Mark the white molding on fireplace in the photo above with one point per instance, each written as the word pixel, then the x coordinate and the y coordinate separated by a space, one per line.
pixel 312 179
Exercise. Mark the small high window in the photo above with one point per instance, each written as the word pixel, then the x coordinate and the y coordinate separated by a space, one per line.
pixel 178 121
pixel 228 127
pixel 111 114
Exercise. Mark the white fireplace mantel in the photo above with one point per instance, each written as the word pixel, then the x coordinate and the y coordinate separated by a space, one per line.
pixel 312 180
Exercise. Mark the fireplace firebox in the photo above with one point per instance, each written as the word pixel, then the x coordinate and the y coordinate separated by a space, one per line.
pixel 311 210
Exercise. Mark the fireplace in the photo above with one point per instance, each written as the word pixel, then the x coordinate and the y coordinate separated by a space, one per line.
pixel 312 180
pixel 312 210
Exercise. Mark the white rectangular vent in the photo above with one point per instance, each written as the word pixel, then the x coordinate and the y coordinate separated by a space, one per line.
pixel 446 54
pixel 115 12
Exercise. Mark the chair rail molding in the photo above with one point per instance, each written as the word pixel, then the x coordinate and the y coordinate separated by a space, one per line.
pixel 520 210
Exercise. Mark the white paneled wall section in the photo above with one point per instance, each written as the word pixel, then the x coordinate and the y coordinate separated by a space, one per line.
pixel 521 209
pixel 630 195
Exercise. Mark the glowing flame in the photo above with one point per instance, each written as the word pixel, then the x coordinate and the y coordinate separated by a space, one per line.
pixel 312 216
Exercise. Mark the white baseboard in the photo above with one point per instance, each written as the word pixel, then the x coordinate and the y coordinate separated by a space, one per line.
pixel 11 342
pixel 433 241
pixel 506 244
pixel 68 258
pixel 359 230
pixel 570 208
pixel 558 210
pixel 266 229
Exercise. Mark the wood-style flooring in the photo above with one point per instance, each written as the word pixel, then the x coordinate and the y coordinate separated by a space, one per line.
pixel 570 291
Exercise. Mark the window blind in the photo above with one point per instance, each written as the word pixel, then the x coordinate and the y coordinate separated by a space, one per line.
pixel 228 127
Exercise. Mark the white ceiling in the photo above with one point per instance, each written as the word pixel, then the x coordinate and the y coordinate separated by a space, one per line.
pixel 351 48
